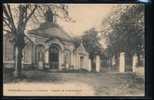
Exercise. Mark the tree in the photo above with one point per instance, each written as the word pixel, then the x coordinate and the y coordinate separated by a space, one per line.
pixel 17 28
pixel 127 30
pixel 15 19
pixel 91 42
pixel 128 26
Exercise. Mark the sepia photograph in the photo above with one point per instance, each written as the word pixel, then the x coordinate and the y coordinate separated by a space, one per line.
pixel 73 49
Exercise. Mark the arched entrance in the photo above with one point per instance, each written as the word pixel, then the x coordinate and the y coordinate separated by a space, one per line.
pixel 54 56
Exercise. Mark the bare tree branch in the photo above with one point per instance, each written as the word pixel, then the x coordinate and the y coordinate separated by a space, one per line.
pixel 7 20
pixel 6 14
pixel 7 24
pixel 8 31
pixel 35 19
pixel 11 17
pixel 25 9
pixel 21 18
pixel 32 12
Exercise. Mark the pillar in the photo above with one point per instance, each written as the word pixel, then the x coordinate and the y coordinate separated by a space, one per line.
pixel 75 61
pixel 46 58
pixel 97 63
pixel 113 61
pixel 23 61
pixel 41 61
pixel 89 65
pixel 74 56
pixel 122 62
pixel 135 59
pixel 60 60
pixel 78 61
pixel 41 65
pixel 4 39
pixel 33 55
pixel 72 59
pixel 85 64
pixel 67 66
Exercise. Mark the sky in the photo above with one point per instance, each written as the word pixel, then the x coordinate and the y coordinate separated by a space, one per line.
pixel 86 16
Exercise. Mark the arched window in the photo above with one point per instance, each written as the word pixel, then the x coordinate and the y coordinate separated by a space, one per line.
pixel 8 48
pixel 67 56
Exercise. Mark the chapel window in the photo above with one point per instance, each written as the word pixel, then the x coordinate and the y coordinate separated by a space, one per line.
pixel 8 49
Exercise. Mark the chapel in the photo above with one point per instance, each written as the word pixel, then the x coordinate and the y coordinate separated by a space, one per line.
pixel 49 47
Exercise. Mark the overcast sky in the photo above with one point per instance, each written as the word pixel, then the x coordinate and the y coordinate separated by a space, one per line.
pixel 86 17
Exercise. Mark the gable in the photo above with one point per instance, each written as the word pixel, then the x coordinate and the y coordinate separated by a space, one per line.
pixel 82 50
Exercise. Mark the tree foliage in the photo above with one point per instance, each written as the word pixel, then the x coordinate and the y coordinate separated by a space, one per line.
pixel 91 42
pixel 127 25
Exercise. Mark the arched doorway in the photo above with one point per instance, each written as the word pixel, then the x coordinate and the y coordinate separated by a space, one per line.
pixel 54 56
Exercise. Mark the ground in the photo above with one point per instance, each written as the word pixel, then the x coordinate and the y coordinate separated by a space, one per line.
pixel 94 84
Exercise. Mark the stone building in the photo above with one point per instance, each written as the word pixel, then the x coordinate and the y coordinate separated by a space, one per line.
pixel 49 47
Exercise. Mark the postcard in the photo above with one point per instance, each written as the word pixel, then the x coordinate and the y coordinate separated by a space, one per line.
pixel 73 49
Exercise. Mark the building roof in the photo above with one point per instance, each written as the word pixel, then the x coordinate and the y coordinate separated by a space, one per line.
pixel 51 30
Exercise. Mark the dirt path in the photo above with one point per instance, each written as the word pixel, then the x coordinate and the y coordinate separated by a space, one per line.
pixel 100 84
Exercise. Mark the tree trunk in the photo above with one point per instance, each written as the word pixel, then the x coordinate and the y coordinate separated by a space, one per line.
pixel 18 61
